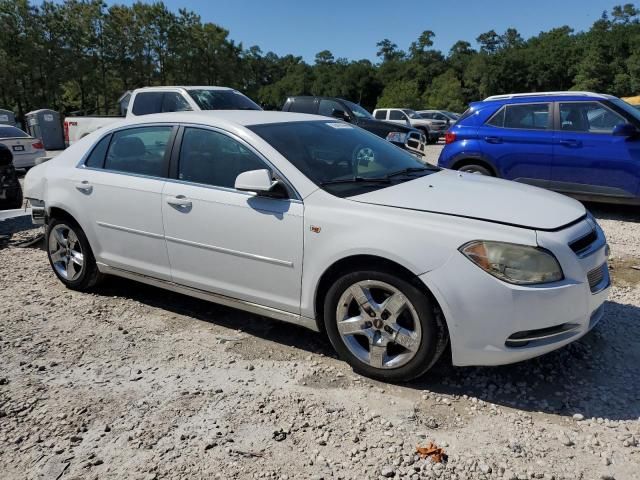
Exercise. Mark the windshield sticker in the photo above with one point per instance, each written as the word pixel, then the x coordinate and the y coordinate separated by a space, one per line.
pixel 339 125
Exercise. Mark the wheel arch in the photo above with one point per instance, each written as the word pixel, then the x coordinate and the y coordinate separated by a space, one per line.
pixel 463 161
pixel 364 262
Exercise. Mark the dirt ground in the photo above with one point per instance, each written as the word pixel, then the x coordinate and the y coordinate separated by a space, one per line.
pixel 135 382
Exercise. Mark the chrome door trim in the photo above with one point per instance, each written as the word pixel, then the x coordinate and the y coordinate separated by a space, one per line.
pixel 237 253
pixel 130 230
pixel 244 305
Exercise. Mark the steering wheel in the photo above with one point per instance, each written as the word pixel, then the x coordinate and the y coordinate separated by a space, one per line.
pixel 362 154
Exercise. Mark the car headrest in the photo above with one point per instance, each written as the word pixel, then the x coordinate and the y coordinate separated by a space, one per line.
pixel 129 147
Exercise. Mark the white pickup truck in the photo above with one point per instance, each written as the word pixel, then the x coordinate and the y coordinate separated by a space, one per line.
pixel 144 101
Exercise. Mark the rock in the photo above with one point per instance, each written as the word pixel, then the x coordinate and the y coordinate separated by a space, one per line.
pixel 387 471
pixel 484 468
pixel 578 417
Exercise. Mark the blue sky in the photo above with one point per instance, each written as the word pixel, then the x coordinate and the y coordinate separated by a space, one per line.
pixel 351 28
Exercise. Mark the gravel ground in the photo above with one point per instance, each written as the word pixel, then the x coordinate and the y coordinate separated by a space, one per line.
pixel 135 382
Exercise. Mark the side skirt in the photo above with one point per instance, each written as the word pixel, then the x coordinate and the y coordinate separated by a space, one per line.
pixel 213 297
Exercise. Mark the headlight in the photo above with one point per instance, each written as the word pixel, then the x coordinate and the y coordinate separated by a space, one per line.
pixel 512 263
pixel 397 137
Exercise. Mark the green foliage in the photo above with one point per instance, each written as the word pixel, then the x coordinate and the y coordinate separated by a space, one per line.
pixel 401 94
pixel 80 55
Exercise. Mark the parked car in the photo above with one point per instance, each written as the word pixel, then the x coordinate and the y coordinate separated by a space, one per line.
pixel 148 100
pixel 10 190
pixel 444 115
pixel 583 144
pixel 403 136
pixel 433 129
pixel 24 148
pixel 322 224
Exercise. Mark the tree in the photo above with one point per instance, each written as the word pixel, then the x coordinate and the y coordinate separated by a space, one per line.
pixel 445 93
pixel 401 94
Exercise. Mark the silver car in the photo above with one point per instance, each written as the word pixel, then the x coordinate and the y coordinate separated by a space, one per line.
pixel 25 148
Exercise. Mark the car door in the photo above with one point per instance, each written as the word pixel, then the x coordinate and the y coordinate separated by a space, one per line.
pixel 587 158
pixel 227 241
pixel 118 191
pixel 518 140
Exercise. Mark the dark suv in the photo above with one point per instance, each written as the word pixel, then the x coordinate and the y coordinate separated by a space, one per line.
pixel 407 138
pixel 583 144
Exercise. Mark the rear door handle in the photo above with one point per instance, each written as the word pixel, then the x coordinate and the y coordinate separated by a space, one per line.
pixel 179 201
pixel 493 139
pixel 570 143
pixel 84 186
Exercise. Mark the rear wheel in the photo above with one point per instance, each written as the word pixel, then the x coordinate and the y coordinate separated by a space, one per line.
pixel 478 169
pixel 383 326
pixel 70 255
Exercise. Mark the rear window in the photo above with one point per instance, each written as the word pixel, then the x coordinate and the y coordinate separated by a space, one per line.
pixel 9 132
pixel 302 105
pixel 146 103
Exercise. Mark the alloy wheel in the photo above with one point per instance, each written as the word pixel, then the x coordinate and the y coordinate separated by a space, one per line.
pixel 65 252
pixel 378 324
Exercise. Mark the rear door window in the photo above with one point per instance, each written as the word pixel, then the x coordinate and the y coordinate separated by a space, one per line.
pixel 397 115
pixel 381 115
pixel 96 158
pixel 146 103
pixel 534 116
pixel 140 150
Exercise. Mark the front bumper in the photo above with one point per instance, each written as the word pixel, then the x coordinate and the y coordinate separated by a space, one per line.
pixel 484 315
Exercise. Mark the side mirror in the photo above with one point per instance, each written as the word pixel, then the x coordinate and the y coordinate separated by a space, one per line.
pixel 625 130
pixel 259 181
pixel 341 114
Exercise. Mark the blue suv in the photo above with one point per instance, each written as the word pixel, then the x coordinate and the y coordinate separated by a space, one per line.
pixel 579 143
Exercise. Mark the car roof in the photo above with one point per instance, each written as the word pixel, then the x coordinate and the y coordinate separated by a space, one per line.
pixel 219 117
pixel 184 87
pixel 546 96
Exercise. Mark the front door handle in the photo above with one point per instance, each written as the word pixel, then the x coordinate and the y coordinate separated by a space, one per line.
pixel 84 186
pixel 570 143
pixel 179 201
pixel 493 139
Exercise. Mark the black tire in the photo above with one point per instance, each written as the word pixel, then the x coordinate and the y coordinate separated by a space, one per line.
pixel 478 169
pixel 434 337
pixel 89 275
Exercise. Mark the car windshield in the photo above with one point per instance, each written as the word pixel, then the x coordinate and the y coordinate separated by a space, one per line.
pixel 412 114
pixel 340 158
pixel 11 132
pixel 630 109
pixel 452 114
pixel 208 99
pixel 358 111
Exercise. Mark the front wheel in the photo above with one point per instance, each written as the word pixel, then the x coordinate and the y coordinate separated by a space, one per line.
pixel 477 169
pixel 383 326
pixel 70 255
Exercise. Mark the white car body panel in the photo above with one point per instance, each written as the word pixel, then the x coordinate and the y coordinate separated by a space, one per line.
pixel 225 234
pixel 268 255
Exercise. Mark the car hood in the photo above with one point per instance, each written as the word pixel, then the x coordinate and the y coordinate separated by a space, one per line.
pixel 485 198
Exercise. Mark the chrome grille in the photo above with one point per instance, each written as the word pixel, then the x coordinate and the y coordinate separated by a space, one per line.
pixel 597 278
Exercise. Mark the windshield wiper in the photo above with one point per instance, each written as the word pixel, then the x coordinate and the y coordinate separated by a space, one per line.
pixel 357 180
pixel 404 171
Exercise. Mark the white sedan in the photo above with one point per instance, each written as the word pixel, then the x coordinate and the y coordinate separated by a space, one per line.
pixel 316 222
pixel 25 149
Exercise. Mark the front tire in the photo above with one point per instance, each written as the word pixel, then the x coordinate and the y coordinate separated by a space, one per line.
pixel 477 169
pixel 70 255
pixel 383 326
